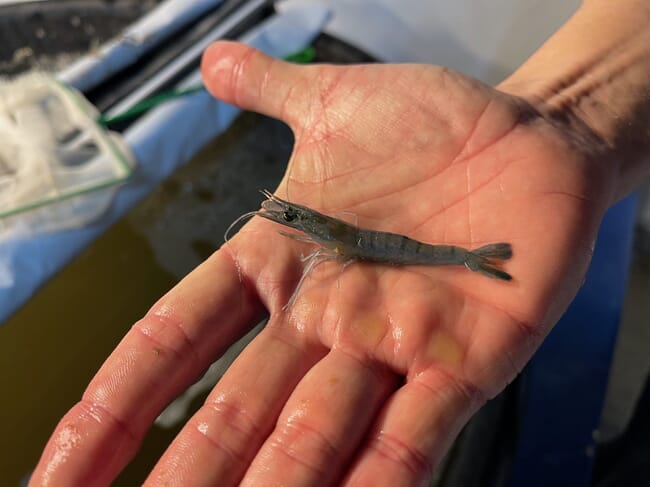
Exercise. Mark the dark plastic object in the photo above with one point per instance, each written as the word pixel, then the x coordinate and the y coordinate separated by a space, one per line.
pixel 123 83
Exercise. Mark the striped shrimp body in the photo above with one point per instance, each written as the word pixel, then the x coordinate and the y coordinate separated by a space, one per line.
pixel 339 240
pixel 396 249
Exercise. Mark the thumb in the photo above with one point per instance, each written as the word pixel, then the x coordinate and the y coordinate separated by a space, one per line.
pixel 241 75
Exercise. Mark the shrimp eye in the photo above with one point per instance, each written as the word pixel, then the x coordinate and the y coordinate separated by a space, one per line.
pixel 289 216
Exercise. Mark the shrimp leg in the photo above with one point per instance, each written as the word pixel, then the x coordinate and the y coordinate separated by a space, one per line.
pixel 314 259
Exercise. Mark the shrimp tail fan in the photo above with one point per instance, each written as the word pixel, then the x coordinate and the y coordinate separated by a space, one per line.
pixel 485 260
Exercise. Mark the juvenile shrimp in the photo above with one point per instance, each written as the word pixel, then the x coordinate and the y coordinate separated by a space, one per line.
pixel 339 240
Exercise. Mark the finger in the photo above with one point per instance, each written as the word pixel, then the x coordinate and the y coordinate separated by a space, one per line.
pixel 414 431
pixel 160 356
pixel 243 76
pixel 220 440
pixel 322 423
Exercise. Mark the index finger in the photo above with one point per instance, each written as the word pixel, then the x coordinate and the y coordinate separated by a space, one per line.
pixel 161 355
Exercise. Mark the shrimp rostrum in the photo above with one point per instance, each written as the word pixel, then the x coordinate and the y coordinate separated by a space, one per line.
pixel 342 241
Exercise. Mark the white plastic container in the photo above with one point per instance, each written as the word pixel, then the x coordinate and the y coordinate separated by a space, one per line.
pixel 58 167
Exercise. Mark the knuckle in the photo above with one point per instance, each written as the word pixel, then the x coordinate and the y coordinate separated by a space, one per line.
pixel 451 388
pixel 305 445
pixel 100 415
pixel 163 327
pixel 232 413
pixel 239 76
pixel 228 428
pixel 391 448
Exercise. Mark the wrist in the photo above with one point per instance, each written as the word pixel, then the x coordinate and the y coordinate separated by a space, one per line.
pixel 592 81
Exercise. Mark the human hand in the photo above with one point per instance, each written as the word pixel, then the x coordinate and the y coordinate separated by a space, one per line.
pixel 369 376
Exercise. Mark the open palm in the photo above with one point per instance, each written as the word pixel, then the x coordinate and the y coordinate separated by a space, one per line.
pixel 370 374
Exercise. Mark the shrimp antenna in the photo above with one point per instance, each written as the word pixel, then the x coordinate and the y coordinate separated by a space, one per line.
pixel 238 220
pixel 268 194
